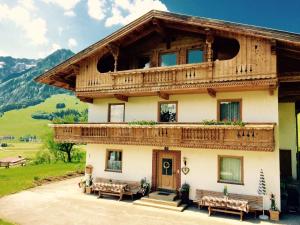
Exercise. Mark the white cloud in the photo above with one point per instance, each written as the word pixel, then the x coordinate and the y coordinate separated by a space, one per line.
pixel 2 64
pixel 72 43
pixel 97 9
pixel 3 53
pixel 69 13
pixel 54 47
pixel 27 4
pixel 125 11
pixel 34 28
pixel 67 5
pixel 47 51
pixel 60 30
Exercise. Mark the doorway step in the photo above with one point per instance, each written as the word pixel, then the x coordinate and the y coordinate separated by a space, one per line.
pixel 162 200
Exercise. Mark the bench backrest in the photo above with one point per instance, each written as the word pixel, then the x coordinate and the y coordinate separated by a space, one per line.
pixel 131 184
pixel 255 201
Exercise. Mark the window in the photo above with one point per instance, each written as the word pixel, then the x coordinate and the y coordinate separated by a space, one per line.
pixel 168 59
pixel 167 111
pixel 230 169
pixel 116 112
pixel 229 110
pixel 114 160
pixel 194 56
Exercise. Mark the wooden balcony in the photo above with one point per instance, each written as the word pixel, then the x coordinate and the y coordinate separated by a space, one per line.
pixel 252 137
pixel 179 79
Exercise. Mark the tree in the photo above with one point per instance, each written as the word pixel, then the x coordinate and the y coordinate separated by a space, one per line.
pixel 61 151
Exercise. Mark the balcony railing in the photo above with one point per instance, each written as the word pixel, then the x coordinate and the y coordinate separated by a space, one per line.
pixel 252 137
pixel 144 78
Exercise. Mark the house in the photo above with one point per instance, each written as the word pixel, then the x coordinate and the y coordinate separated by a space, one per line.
pixel 177 99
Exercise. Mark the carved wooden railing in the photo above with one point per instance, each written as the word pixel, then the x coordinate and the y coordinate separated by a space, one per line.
pixel 143 78
pixel 253 137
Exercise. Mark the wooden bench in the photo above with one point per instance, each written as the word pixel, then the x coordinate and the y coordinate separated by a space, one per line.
pixel 119 187
pixel 12 161
pixel 255 202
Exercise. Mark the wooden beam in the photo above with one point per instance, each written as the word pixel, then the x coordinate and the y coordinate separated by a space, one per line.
pixel 212 92
pixel 159 28
pixel 75 69
pixel 121 97
pixel 273 47
pixel 162 95
pixel 292 77
pixel 272 89
pixel 86 99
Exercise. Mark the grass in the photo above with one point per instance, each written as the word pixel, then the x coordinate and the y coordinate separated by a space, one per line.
pixel 3 222
pixel 19 122
pixel 26 150
pixel 16 179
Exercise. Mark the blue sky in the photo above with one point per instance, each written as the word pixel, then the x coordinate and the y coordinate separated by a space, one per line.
pixel 35 28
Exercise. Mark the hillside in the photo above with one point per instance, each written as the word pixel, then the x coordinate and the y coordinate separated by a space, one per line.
pixel 17 86
pixel 19 122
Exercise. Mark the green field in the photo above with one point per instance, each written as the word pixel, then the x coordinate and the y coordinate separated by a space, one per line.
pixel 16 179
pixel 2 222
pixel 26 150
pixel 19 122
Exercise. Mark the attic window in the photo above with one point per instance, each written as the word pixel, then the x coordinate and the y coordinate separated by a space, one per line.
pixel 225 48
pixel 168 59
pixel 194 56
pixel 106 64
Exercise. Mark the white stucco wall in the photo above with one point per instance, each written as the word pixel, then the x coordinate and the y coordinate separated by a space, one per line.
pixel 137 164
pixel 257 106
pixel 288 133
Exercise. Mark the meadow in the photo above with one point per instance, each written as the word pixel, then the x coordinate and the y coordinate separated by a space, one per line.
pixel 19 122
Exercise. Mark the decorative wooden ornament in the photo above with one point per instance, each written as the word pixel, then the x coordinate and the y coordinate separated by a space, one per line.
pixel 185 170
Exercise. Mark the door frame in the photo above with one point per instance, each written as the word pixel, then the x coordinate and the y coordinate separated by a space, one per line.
pixel 155 154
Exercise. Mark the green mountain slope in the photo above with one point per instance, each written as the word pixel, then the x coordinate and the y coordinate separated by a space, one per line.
pixel 19 122
pixel 17 86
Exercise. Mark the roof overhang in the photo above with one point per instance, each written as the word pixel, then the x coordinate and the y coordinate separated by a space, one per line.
pixel 64 74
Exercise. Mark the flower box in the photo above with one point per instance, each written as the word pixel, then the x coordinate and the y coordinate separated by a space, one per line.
pixel 274 215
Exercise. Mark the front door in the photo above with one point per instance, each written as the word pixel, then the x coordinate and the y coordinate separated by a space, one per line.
pixel 168 170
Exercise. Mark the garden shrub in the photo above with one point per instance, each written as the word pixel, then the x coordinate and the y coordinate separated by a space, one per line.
pixel 60 105
pixel 42 157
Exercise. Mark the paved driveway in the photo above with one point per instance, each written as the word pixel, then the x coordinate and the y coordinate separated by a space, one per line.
pixel 62 203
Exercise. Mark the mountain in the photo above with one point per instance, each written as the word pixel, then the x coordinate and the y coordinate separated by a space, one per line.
pixel 17 87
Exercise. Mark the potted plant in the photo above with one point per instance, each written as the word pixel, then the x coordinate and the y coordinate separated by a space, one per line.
pixel 274 212
pixel 82 185
pixel 145 187
pixel 184 193
pixel 225 191
pixel 88 184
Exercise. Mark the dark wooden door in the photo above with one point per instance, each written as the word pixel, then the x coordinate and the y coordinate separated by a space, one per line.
pixel 285 163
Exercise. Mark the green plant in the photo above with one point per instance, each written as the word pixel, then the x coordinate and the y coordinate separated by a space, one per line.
pixel 143 122
pixel 225 122
pixel 78 155
pixel 225 190
pixel 36 178
pixel 145 186
pixel 42 157
pixel 273 202
pixel 185 187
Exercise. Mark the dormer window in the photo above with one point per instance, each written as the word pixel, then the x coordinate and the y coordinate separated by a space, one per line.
pixel 168 59
pixel 194 56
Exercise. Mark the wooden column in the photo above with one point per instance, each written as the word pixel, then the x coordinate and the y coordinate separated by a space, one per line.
pixel 209 50
pixel 114 50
